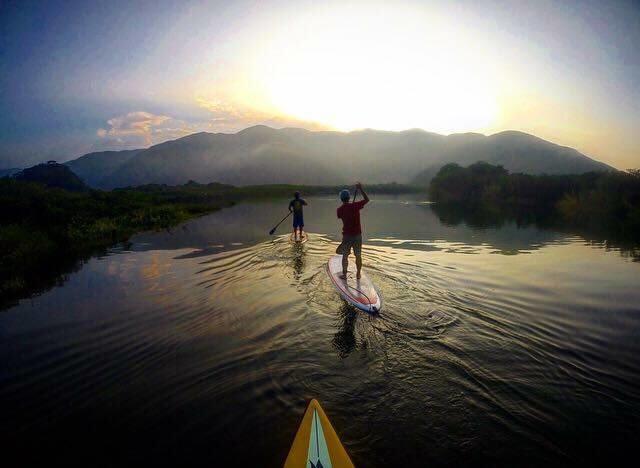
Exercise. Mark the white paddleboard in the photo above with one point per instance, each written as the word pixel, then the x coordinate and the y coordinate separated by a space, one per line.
pixel 358 292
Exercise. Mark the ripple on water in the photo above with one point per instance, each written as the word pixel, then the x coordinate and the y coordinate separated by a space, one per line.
pixel 229 344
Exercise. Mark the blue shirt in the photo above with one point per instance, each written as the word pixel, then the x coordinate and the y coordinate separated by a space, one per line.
pixel 296 205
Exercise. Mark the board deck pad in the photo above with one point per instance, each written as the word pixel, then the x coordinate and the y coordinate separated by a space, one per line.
pixel 316 444
pixel 360 293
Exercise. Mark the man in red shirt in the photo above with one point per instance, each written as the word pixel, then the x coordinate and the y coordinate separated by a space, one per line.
pixel 349 213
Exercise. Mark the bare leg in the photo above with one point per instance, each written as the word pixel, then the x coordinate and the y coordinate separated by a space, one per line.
pixel 345 265
pixel 358 265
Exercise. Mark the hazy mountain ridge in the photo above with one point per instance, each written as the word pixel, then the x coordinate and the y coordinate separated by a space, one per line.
pixel 93 167
pixel 260 154
pixel 517 152
pixel 53 174
pixel 254 156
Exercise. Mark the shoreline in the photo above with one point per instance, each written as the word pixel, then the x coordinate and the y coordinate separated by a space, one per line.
pixel 47 233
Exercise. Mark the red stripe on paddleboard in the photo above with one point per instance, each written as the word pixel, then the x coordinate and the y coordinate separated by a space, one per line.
pixel 361 299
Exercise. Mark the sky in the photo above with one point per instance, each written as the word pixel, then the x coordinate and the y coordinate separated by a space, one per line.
pixel 77 77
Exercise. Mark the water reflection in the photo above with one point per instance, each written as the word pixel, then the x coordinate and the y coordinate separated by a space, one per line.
pixel 498 219
pixel 344 339
pixel 297 259
pixel 490 216
pixel 188 345
pixel 387 220
pixel 412 224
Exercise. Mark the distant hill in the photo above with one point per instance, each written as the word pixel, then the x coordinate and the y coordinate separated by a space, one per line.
pixel 260 154
pixel 92 168
pixel 9 172
pixel 53 174
pixel 516 152
pixel 253 156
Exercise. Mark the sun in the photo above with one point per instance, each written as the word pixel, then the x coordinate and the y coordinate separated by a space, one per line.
pixel 387 68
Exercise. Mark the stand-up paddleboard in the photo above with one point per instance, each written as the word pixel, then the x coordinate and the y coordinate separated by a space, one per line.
pixel 316 443
pixel 358 292
pixel 299 240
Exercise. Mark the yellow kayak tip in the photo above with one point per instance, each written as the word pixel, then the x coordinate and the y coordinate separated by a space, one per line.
pixel 316 444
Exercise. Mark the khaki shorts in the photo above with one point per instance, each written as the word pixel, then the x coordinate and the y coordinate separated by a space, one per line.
pixel 348 243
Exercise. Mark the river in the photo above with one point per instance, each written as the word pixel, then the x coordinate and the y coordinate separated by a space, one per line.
pixel 504 345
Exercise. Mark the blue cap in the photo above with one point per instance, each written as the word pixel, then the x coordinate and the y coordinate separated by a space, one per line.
pixel 344 195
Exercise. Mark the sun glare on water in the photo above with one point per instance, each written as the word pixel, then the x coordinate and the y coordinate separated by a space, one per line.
pixel 385 68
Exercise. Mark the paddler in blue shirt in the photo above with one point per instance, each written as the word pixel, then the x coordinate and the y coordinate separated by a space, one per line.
pixel 295 206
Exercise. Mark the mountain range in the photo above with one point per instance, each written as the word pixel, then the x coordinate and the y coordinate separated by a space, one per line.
pixel 260 154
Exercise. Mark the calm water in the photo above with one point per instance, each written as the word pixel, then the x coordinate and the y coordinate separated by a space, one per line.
pixel 494 347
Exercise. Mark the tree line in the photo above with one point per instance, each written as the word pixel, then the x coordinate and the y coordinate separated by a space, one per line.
pixel 598 201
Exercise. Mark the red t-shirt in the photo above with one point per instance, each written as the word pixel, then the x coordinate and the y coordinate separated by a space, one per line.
pixel 350 215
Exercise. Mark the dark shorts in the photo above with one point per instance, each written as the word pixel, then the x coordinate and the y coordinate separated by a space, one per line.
pixel 348 243
pixel 298 221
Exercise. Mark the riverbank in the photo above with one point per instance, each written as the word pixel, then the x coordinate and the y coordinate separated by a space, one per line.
pixel 45 233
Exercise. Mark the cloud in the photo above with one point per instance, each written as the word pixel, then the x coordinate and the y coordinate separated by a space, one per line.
pixel 141 129
pixel 134 128
pixel 228 117
pixel 221 110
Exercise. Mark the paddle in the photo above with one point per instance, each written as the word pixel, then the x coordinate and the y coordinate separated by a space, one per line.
pixel 276 226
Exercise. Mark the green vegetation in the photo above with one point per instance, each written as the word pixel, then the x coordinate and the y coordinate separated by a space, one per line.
pixel 46 232
pixel 194 191
pixel 605 203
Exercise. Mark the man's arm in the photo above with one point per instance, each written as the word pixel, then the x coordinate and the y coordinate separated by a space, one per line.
pixel 365 197
pixel 291 206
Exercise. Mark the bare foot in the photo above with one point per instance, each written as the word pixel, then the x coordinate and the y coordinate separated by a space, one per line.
pixel 343 276
pixel 358 275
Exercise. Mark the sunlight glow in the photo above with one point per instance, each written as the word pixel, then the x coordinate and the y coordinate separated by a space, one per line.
pixel 389 68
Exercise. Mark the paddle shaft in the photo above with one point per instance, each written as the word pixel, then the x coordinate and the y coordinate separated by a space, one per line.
pixel 281 221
